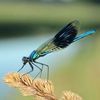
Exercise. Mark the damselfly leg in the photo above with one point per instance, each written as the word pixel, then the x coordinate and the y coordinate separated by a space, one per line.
pixel 21 67
pixel 38 68
pixel 32 68
pixel 32 65
pixel 42 68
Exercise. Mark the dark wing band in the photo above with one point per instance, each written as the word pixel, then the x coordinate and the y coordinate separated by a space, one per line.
pixel 66 36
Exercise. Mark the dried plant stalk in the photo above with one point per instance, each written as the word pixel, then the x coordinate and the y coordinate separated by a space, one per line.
pixel 41 89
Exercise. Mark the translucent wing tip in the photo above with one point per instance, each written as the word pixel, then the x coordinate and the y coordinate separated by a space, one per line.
pixel 76 24
pixel 75 21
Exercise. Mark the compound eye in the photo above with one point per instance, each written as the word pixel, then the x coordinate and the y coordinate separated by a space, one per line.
pixel 27 59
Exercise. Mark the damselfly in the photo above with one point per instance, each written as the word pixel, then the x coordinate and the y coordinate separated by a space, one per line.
pixel 61 40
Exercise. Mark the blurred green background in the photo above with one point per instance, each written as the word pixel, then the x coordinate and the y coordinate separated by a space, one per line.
pixel 26 24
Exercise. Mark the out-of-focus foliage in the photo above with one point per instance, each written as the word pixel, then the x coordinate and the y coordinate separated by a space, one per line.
pixel 52 1
pixel 18 19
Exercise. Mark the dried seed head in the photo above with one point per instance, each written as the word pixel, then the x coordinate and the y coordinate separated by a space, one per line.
pixel 27 86
pixel 68 95
pixel 26 80
pixel 41 89
pixel 12 79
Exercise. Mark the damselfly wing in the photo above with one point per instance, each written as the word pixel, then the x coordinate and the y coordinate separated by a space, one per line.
pixel 61 40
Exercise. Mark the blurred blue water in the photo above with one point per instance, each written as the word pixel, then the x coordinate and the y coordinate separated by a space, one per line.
pixel 13 49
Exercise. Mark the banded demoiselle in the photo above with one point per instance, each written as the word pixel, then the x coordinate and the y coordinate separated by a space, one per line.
pixel 61 40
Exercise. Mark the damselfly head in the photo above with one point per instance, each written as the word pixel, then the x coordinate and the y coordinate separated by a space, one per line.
pixel 25 60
